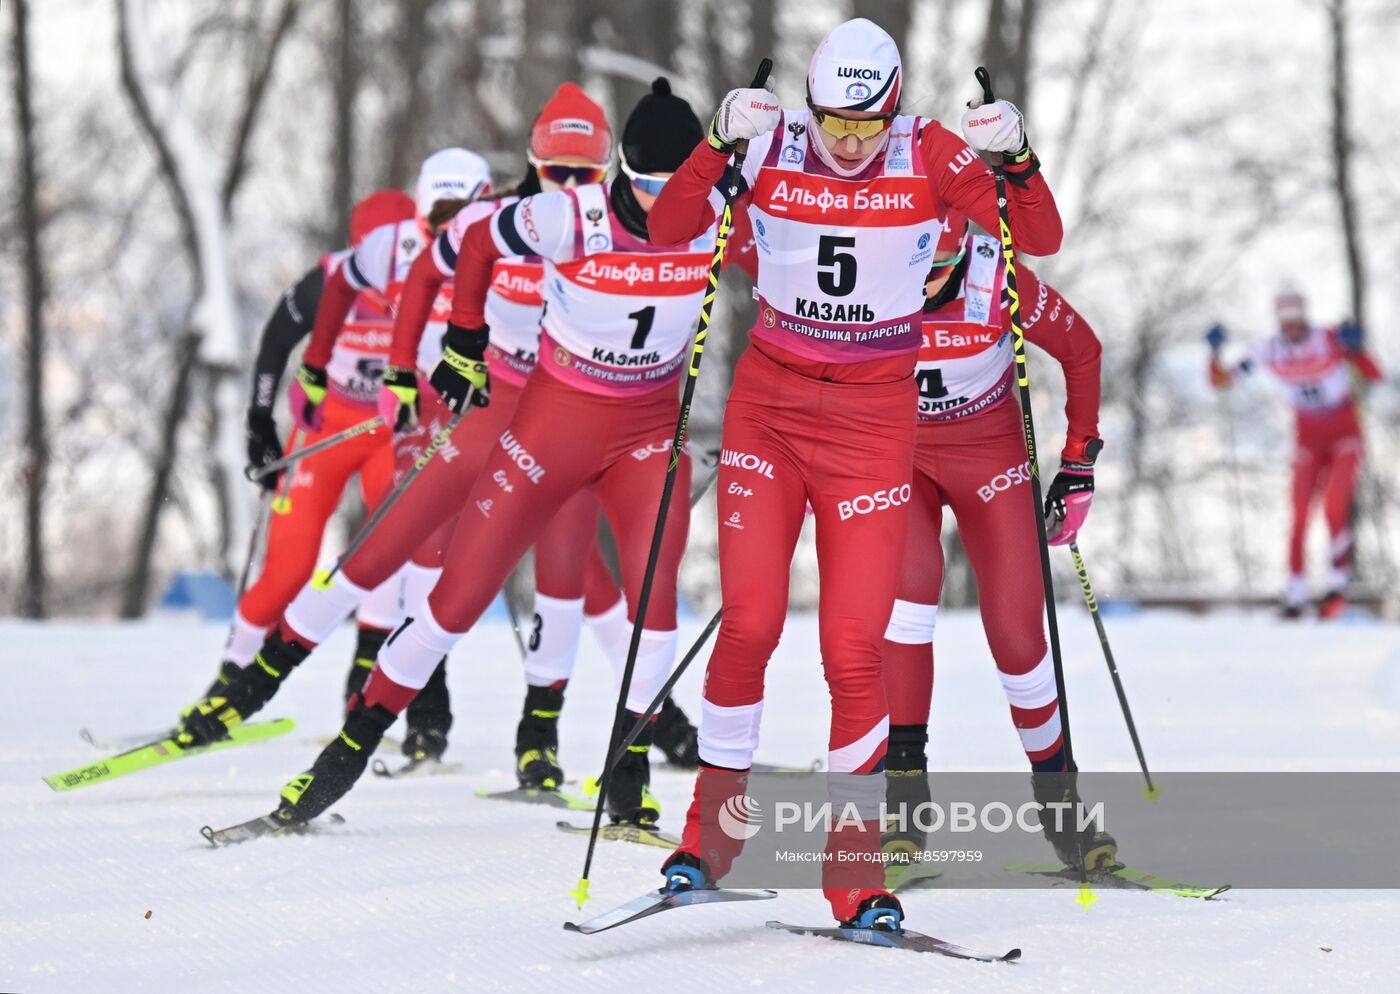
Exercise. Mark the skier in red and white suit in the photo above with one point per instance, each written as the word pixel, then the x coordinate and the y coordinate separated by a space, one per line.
pixel 1319 368
pixel 845 199
pixel 619 315
pixel 305 503
pixel 970 456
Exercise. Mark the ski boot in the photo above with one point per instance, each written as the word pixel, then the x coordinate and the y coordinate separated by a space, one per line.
pixel 209 720
pixel 1090 849
pixel 537 739
pixel 340 764
pixel 880 912
pixel 907 796
pixel 1330 607
pixel 429 718
pixel 368 642
pixel 684 871
pixel 675 736
pixel 228 672
pixel 630 799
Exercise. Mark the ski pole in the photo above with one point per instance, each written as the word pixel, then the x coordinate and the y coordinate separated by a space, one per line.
pixel 323 578
pixel 256 473
pixel 1151 792
pixel 282 495
pixel 514 620
pixel 697 351
pixel 1028 424
pixel 254 540
pixel 665 690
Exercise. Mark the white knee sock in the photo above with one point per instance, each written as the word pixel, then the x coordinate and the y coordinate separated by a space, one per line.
pixel 729 736
pixel 384 607
pixel 413 652
pixel 418 583
pixel 552 640
pixel 614 634
pixel 244 640
pixel 656 657
pixel 314 613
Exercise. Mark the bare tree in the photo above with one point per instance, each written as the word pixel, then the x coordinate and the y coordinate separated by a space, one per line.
pixel 345 76
pixel 1006 47
pixel 407 122
pixel 200 198
pixel 1341 158
pixel 892 15
pixel 556 36
pixel 32 601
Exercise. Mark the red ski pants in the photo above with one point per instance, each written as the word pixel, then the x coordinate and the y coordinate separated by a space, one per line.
pixel 845 448
pixel 317 484
pixel 1327 461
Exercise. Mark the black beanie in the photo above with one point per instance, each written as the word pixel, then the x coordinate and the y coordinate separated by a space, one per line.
pixel 661 132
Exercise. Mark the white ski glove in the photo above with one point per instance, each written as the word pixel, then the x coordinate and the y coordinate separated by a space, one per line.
pixel 743 114
pixel 995 127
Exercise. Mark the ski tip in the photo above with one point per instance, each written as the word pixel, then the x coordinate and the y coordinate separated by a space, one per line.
pixel 335 818
pixel 208 833
pixel 1012 956
pixel 573 927
pixel 381 769
pixel 51 785
pixel 580 892
pixel 87 737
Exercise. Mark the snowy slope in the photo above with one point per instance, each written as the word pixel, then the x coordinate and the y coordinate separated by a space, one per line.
pixel 427 888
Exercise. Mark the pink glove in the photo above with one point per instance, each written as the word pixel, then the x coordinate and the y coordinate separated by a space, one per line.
pixel 1067 502
pixel 306 395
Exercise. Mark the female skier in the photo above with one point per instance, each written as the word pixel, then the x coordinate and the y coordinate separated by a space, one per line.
pixel 1319 368
pixel 846 198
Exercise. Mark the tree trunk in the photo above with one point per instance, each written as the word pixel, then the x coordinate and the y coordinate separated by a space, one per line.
pixel 1341 160
pixel 32 600
pixel 346 77
pixel 406 127
pixel 139 583
pixel 892 15
pixel 1006 48
pixel 555 36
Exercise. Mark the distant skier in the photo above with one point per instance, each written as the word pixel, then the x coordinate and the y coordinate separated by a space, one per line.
pixel 1320 369
pixel 846 197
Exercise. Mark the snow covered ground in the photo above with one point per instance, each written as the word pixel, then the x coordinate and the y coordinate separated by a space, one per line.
pixel 428 888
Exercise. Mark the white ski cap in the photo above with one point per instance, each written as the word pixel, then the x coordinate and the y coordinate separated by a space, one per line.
pixel 451 174
pixel 1289 304
pixel 856 67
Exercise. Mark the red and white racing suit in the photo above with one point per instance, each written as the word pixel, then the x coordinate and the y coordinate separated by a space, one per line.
pixel 970 456
pixel 1318 374
pixel 819 413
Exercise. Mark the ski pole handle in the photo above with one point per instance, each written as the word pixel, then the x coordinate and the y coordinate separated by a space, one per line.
pixel 741 149
pixel 985 78
pixel 765 66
